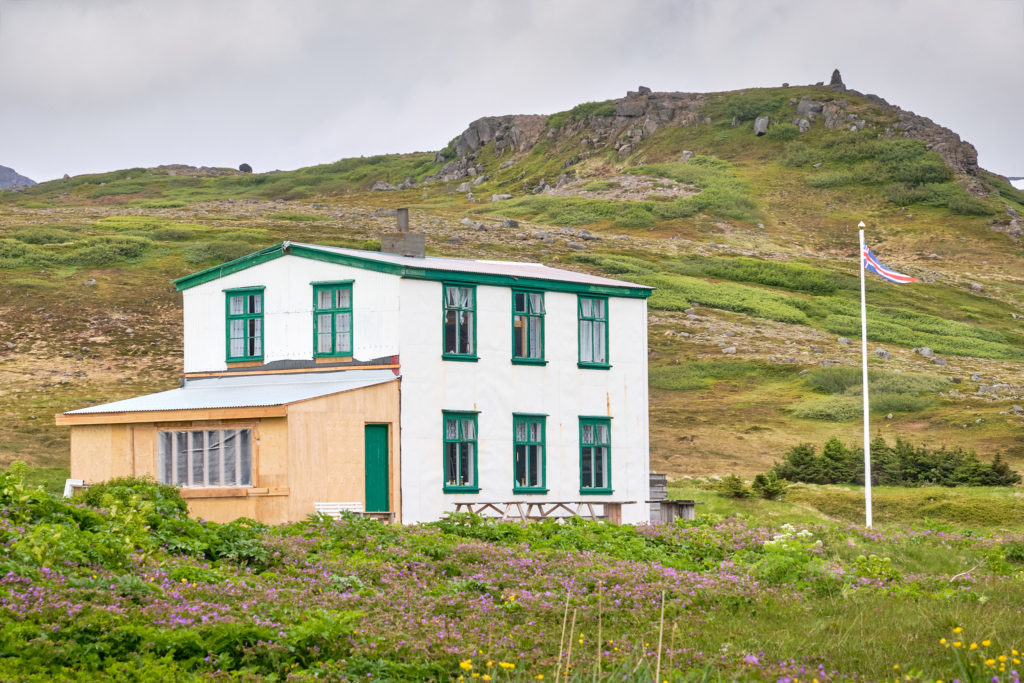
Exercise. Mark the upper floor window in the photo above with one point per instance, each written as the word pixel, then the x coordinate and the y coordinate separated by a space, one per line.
pixel 528 457
pixel 595 455
pixel 527 327
pixel 208 457
pixel 460 452
pixel 460 322
pixel 332 319
pixel 245 324
pixel 593 331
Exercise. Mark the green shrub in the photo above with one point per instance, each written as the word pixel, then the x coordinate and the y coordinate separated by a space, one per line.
pixel 830 409
pixel 782 132
pixel 768 486
pixel 970 206
pixel 900 465
pixel 43 235
pixel 580 112
pixel 830 179
pixel 217 251
pixel 677 293
pixel 733 487
pixel 692 375
pixel 123 491
pixel 107 250
pixel 797 153
pixel 749 106
pixel 634 217
pixel 793 276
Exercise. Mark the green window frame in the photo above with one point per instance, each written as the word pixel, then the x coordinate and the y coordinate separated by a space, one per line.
pixel 593 331
pixel 595 455
pixel 244 323
pixel 459 430
pixel 528 327
pixel 458 324
pixel 529 453
pixel 332 319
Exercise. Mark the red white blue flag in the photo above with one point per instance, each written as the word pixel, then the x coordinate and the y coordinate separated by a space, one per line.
pixel 872 264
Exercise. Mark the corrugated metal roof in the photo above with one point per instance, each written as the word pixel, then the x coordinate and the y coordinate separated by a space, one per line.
pixel 508 268
pixel 247 391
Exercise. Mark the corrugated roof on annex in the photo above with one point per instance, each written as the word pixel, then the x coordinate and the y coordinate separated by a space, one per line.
pixel 248 391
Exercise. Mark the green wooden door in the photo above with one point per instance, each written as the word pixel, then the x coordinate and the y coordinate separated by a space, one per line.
pixel 376 457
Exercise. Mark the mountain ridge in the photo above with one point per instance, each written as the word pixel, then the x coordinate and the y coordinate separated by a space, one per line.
pixel 11 179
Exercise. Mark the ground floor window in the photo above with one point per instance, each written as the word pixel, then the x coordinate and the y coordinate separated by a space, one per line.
pixel 460 452
pixel 528 453
pixel 595 455
pixel 207 457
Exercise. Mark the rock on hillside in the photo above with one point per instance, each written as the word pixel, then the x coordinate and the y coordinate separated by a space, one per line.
pixel 10 179
pixel 624 124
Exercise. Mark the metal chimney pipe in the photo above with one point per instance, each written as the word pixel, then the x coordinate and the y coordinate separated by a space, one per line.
pixel 403 220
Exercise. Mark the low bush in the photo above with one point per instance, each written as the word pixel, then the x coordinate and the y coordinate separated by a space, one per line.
pixel 798 153
pixel 43 235
pixel 693 375
pixel 899 465
pixel 782 132
pixel 794 276
pixel 831 409
pixel 831 179
pixel 217 251
pixel 107 250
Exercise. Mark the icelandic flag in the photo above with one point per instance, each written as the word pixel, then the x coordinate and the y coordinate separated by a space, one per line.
pixel 872 264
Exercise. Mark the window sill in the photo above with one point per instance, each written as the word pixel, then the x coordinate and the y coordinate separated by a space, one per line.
pixel 231 491
pixel 596 492
pixel 462 489
pixel 244 362
pixel 594 366
pixel 527 492
pixel 465 359
pixel 529 361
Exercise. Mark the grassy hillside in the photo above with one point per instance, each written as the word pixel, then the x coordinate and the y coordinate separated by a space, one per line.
pixel 751 242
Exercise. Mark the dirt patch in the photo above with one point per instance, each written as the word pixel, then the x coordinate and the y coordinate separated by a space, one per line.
pixel 628 188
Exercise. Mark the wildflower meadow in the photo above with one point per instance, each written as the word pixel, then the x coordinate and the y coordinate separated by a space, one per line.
pixel 121 585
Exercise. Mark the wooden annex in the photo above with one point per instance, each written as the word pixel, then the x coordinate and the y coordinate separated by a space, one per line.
pixel 303 452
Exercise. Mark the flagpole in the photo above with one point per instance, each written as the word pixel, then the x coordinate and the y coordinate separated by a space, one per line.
pixel 864 379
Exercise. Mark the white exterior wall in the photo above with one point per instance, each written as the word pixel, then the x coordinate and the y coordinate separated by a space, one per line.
pixel 288 312
pixel 497 388
pixel 396 316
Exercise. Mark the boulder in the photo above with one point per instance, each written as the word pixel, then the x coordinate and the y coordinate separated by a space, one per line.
pixel 729 350
pixel 760 125
pixel 843 340
pixel 924 351
pixel 381 186
pixel 939 361
pixel 883 354
pixel 463 187
pixel 509 223
pixel 245 168
pixel 499 197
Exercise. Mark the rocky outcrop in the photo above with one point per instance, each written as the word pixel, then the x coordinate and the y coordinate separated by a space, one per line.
pixel 515 133
pixel 624 123
pixel 10 179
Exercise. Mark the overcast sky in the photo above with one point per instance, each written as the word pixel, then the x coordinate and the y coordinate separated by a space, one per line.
pixel 97 85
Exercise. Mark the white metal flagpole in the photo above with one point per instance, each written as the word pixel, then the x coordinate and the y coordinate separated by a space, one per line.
pixel 864 379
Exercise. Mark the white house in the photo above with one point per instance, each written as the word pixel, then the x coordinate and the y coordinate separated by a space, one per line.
pixel 397 383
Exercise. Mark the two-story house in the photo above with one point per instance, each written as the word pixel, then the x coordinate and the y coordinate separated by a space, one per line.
pixel 402 383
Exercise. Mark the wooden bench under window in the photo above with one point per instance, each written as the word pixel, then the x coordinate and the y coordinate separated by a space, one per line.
pixel 356 508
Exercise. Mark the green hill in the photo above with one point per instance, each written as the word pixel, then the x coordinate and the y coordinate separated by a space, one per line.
pixel 750 239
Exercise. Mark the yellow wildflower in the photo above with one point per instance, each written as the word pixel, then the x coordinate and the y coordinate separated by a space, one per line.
pixel 990 662
pixel 466 664
pixel 942 640
pixel 986 643
pixel 485 677
pixel 895 666
pixel 490 663
pixel 958 629
pixel 1016 661
pixel 974 646
pixel 957 643
pixel 540 677
pixel 1001 658
pixel 476 675
pixel 506 665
